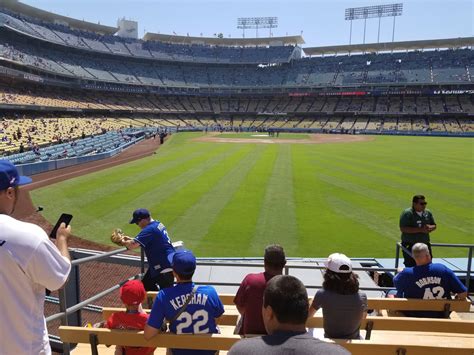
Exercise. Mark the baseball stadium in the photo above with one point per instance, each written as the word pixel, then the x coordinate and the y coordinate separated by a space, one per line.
pixel 235 144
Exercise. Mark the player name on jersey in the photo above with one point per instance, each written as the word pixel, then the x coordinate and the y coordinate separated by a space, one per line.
pixel 428 281
pixel 179 301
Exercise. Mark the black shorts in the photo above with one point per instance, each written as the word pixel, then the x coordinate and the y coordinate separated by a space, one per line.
pixel 158 282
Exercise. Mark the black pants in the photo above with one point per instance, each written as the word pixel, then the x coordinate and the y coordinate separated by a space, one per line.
pixel 158 282
pixel 408 260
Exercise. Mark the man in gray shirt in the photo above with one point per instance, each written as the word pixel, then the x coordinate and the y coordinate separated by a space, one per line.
pixel 285 310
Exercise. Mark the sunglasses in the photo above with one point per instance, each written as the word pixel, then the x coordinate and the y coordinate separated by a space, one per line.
pixel 423 203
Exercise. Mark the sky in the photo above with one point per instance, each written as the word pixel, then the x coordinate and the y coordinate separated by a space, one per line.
pixel 321 22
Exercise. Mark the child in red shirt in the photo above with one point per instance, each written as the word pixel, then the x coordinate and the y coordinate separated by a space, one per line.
pixel 132 294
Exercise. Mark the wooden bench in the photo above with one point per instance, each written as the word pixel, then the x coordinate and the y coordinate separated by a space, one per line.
pixel 389 345
pixel 379 304
pixel 369 324
pixel 411 304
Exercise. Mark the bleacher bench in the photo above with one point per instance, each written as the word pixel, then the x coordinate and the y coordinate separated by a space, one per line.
pixel 390 345
pixel 371 323
pixel 389 304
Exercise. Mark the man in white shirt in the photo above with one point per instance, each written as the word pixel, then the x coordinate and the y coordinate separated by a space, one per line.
pixel 29 263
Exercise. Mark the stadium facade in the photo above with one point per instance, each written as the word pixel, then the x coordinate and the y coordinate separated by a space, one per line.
pixel 54 65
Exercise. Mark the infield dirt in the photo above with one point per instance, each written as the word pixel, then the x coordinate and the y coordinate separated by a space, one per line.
pixel 314 139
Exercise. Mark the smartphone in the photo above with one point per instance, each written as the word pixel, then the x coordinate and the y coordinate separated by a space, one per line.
pixel 64 218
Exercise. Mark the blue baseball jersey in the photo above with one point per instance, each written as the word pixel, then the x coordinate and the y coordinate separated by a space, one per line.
pixel 431 281
pixel 157 245
pixel 198 317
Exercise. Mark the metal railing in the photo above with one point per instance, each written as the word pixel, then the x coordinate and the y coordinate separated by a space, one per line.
pixel 70 290
pixel 470 248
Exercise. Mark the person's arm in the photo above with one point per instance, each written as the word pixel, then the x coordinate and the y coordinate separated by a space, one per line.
pixel 398 282
pixel 315 305
pixel 62 236
pixel 431 227
pixel 432 224
pixel 414 230
pixel 241 309
pixel 312 311
pixel 130 243
pixel 364 305
pixel 457 287
pixel 240 297
pixel 150 332
pixel 408 225
pixel 156 317
pixel 141 240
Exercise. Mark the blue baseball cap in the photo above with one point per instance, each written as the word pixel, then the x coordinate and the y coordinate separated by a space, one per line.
pixel 139 214
pixel 9 176
pixel 183 262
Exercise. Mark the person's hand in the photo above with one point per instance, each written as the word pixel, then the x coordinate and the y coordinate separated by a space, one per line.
pixel 63 232
pixel 99 325
pixel 431 227
pixel 425 228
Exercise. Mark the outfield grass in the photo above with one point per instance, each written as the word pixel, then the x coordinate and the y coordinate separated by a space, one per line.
pixel 263 135
pixel 233 199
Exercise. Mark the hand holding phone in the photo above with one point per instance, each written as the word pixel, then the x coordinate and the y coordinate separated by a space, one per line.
pixel 64 218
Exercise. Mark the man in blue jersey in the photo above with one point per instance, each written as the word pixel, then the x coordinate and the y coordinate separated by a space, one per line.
pixel 154 240
pixel 189 309
pixel 427 280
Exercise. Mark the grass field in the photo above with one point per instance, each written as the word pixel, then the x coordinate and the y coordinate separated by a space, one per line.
pixel 233 199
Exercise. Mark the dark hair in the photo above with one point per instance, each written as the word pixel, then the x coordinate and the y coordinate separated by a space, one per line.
pixel 341 283
pixel 185 277
pixel 274 257
pixel 288 298
pixel 417 198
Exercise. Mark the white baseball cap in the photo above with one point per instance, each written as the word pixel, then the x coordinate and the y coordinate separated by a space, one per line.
pixel 336 261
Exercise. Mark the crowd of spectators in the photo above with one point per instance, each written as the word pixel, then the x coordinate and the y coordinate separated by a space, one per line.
pixel 343 305
pixel 25 135
pixel 81 99
pixel 277 306
pixel 86 40
pixel 448 66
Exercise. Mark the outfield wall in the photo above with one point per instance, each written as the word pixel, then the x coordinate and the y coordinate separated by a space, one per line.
pixel 332 131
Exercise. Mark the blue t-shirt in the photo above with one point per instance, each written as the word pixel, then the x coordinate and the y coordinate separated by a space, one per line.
pixel 431 281
pixel 157 245
pixel 198 317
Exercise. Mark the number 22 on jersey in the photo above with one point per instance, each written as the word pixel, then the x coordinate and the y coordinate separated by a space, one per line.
pixel 199 320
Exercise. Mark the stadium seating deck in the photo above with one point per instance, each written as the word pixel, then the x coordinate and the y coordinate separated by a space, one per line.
pixel 449 66
pixel 36 133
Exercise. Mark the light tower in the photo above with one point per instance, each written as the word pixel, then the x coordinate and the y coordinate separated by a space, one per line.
pixel 257 22
pixel 359 13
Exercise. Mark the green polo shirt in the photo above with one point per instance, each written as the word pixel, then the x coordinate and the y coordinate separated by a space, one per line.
pixel 409 218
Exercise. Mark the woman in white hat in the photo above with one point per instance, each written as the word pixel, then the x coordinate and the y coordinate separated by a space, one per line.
pixel 343 305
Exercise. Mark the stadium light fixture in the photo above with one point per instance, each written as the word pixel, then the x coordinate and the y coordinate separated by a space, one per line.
pixel 363 13
pixel 257 22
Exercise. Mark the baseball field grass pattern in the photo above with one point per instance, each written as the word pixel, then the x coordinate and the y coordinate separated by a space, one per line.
pixel 233 199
